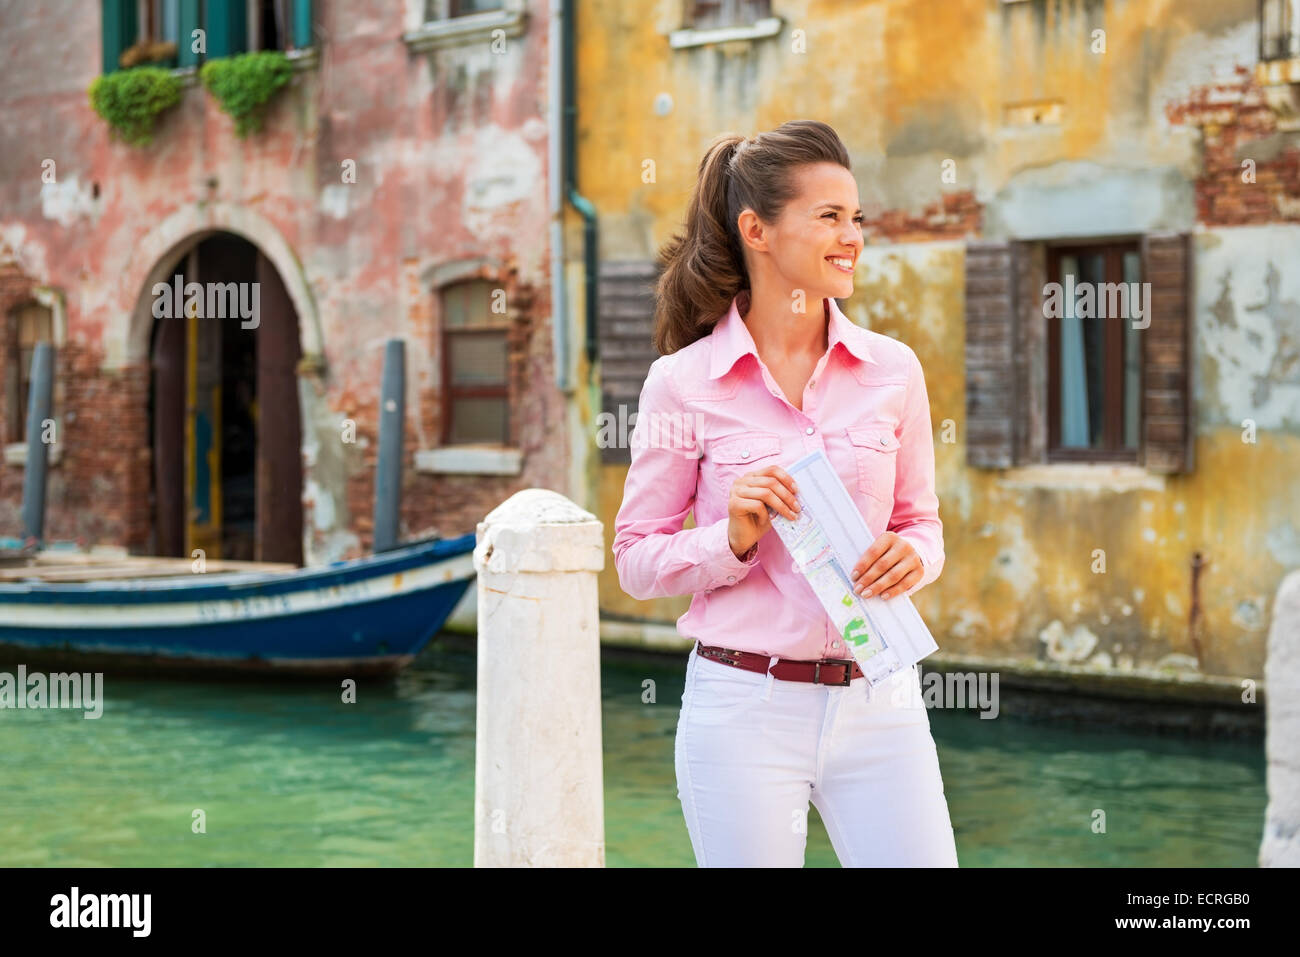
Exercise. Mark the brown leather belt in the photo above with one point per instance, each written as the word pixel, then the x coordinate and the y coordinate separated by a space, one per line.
pixel 827 671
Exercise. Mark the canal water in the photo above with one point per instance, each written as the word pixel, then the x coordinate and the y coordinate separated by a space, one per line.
pixel 289 775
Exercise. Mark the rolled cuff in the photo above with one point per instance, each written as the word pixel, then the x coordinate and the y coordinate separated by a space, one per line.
pixel 724 567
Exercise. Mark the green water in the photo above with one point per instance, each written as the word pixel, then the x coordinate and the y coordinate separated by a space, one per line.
pixel 288 775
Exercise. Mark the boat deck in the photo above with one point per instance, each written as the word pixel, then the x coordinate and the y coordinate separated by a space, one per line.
pixel 67 566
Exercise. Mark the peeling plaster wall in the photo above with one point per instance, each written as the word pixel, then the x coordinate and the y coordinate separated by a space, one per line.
pixel 450 155
pixel 908 85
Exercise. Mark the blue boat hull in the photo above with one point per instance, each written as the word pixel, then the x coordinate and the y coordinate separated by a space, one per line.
pixel 357 618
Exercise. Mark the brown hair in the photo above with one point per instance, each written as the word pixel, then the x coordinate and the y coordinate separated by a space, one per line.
pixel 701 271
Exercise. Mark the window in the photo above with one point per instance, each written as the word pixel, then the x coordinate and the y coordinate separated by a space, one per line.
pixel 475 370
pixel 453 23
pixel 161 32
pixel 1068 361
pixel 1094 352
pixel 28 324
pixel 461 8
pixel 1279 30
pixel 707 14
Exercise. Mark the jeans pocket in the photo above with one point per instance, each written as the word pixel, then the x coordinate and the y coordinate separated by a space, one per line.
pixel 716 691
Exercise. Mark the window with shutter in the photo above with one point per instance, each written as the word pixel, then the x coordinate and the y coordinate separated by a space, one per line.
pixel 1062 381
pixel 625 329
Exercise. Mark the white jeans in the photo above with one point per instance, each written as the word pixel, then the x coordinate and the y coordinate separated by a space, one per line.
pixel 752 750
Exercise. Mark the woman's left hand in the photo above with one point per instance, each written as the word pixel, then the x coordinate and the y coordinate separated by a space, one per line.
pixel 889 567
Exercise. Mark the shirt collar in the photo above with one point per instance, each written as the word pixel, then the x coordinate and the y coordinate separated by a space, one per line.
pixel 731 338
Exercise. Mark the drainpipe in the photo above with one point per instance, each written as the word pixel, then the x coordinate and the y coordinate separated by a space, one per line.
pixel 580 202
pixel 554 164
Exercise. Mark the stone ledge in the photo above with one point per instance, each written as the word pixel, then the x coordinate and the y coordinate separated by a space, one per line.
pixel 766 27
pixel 457 31
pixel 15 454
pixel 470 460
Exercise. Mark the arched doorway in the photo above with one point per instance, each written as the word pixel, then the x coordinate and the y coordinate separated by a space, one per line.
pixel 225 427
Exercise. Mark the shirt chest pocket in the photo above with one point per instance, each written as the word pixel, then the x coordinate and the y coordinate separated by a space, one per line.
pixel 875 447
pixel 731 456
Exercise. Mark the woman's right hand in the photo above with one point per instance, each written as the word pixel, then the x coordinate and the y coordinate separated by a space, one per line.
pixel 747 516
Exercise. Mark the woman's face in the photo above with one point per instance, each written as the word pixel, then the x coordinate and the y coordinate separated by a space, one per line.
pixel 822 223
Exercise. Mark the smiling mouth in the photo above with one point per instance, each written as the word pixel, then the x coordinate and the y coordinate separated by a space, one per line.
pixel 843 263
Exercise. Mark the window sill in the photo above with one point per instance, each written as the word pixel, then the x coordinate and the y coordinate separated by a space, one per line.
pixel 456 31
pixel 470 460
pixel 15 454
pixel 301 60
pixel 1087 476
pixel 767 27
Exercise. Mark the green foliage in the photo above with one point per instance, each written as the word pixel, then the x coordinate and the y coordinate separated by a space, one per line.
pixel 130 100
pixel 245 83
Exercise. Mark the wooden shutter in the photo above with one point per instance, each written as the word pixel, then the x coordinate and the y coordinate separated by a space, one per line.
pixel 302 24
pixel 625 330
pixel 1167 434
pixel 118 28
pixel 227 23
pixel 993 399
pixel 188 22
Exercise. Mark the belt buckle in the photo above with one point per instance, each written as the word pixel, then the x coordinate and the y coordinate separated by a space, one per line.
pixel 848 671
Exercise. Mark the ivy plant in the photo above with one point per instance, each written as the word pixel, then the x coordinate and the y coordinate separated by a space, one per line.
pixel 131 100
pixel 244 84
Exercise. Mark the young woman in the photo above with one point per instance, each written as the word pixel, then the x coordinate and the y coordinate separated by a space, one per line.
pixel 760 367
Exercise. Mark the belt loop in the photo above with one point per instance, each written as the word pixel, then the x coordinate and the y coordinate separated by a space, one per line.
pixel 767 688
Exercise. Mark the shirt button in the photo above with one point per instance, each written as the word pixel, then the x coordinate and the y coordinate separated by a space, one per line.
pixel 731 578
pixel 812 383
pixel 810 430
pixel 745 454
pixel 835 644
pixel 884 441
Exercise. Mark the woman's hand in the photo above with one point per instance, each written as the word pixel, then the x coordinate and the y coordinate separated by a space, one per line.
pixel 751 494
pixel 889 567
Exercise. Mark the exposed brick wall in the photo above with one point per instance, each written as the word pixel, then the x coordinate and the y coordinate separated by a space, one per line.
pixel 955 215
pixel 450 154
pixel 1237 124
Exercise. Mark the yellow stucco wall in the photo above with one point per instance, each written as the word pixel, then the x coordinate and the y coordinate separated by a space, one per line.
pixel 907 85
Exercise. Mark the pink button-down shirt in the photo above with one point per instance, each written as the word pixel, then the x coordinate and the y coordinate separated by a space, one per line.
pixel 710 412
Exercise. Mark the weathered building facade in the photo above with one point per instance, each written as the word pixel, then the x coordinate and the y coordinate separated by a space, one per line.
pixel 397 189
pixel 1119 492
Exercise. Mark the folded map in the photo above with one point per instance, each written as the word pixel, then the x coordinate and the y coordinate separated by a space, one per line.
pixel 885 635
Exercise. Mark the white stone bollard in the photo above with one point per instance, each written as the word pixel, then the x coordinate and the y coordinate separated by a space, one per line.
pixel 1281 845
pixel 538 777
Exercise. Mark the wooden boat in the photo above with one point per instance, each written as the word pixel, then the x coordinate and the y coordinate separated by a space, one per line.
pixel 362 617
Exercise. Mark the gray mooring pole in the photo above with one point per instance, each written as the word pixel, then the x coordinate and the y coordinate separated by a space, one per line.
pixel 39 400
pixel 388 473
